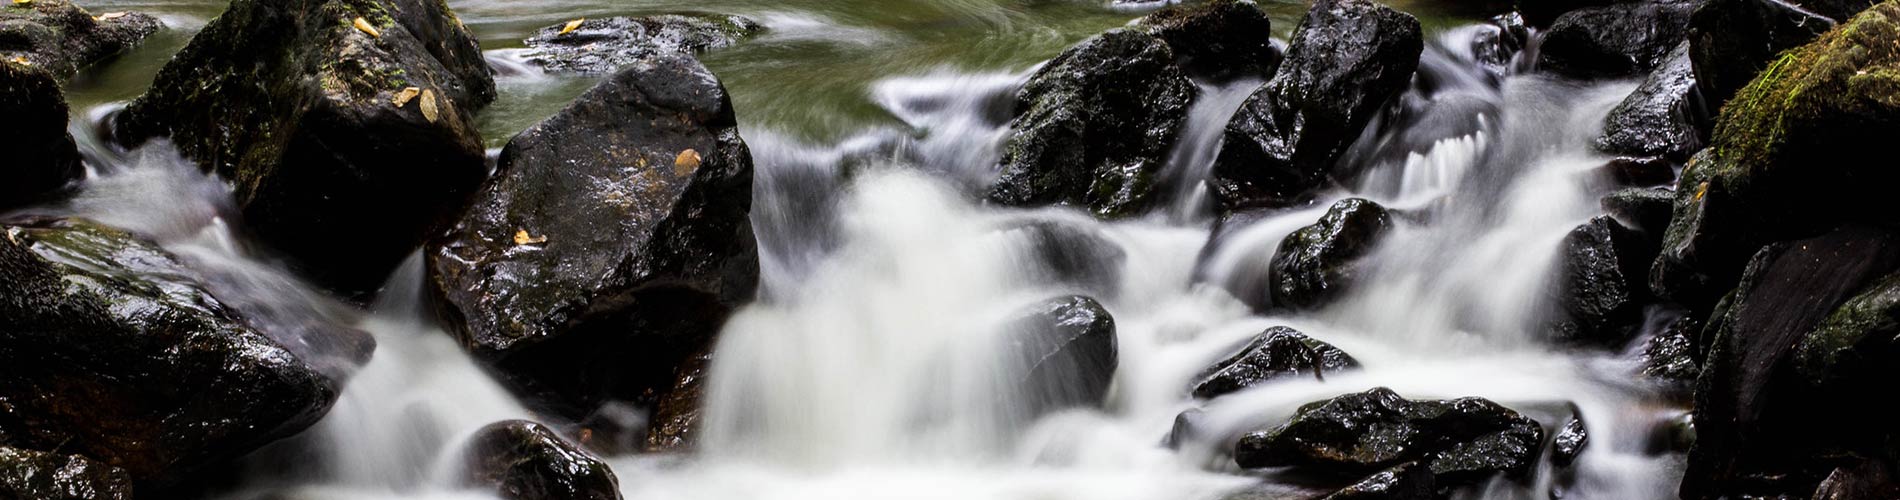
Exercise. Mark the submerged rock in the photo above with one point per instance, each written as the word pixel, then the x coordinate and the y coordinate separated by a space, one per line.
pixel 1219 40
pixel 1277 353
pixel 608 44
pixel 1066 353
pixel 1731 41
pixel 1461 441
pixel 1346 61
pixel 114 351
pixel 611 243
pixel 1650 171
pixel 61 38
pixel 522 460
pixel 35 475
pixel 1616 40
pixel 1645 209
pixel 1319 262
pixel 346 126
pixel 1602 290
pixel 1094 126
pixel 1664 117
pixel 1072 255
pixel 41 158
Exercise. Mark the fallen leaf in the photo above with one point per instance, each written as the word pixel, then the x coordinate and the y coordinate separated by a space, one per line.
pixel 686 161
pixel 364 26
pixel 571 26
pixel 522 238
pixel 109 16
pixel 1701 190
pixel 21 60
pixel 23 3
pixel 428 105
pixel 403 97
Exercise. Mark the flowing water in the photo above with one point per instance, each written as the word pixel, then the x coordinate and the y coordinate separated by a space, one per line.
pixel 870 366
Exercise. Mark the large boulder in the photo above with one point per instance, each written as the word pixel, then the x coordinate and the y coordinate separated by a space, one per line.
pixel 1789 158
pixel 1317 263
pixel 1219 40
pixel 1278 353
pixel 1614 41
pixel 62 38
pixel 41 157
pixel 607 44
pixel 1065 353
pixel 1602 289
pixel 612 241
pixel 1731 41
pixel 522 460
pixel 1346 61
pixel 346 126
pixel 114 351
pixel 1094 126
pixel 1663 117
pixel 1462 441
pixel 38 475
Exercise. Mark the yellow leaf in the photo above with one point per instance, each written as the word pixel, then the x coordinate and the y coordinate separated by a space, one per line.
pixel 571 26
pixel 403 98
pixel 1701 190
pixel 21 60
pixel 23 3
pixel 428 105
pixel 364 26
pixel 109 16
pixel 685 162
pixel 522 238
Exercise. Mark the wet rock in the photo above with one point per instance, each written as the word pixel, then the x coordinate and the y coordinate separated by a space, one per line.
pixel 1788 159
pixel 1094 126
pixel 1570 440
pixel 114 351
pixel 1278 353
pixel 1316 263
pixel 611 243
pixel 1346 61
pixel 61 38
pixel 338 164
pixel 1762 426
pixel 607 44
pixel 1645 209
pixel 1541 13
pixel 1067 353
pixel 1671 356
pixel 1674 435
pixel 1871 479
pixel 1407 481
pixel 1498 42
pixel 1073 255
pixel 1219 40
pixel 41 158
pixel 522 460
pixel 1188 426
pixel 1646 171
pixel 676 416
pixel 1664 117
pixel 1462 441
pixel 28 474
pixel 1602 290
pixel 1614 41
pixel 1731 41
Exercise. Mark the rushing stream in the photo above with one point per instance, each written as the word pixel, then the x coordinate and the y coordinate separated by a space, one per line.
pixel 868 368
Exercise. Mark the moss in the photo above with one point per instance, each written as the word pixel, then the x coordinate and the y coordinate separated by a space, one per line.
pixel 1853 335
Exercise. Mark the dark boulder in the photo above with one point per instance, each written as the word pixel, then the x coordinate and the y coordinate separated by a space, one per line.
pixel 1731 41
pixel 1065 353
pixel 114 351
pixel 612 241
pixel 61 37
pixel 1644 209
pixel 1277 353
pixel 1614 41
pixel 1872 479
pixel 1647 171
pixel 1219 40
pixel 522 460
pixel 1664 117
pixel 41 158
pixel 346 126
pixel 1317 263
pixel 1672 357
pixel 1601 292
pixel 1094 126
pixel 608 44
pixel 1462 441
pixel 36 475
pixel 1346 61
pixel 1788 159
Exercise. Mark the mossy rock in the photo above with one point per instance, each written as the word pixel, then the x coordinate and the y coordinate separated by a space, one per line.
pixel 62 38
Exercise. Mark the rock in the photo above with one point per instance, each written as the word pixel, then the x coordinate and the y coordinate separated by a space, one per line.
pixel 1570 440
pixel 607 44
pixel 296 106
pixel 1671 357
pixel 1072 255
pixel 1219 40
pixel 522 460
pixel 1346 61
pixel 115 352
pixel 1316 263
pixel 1854 349
pixel 1788 159
pixel 1602 290
pixel 1498 42
pixel 1761 430
pixel 1663 117
pixel 1838 9
pixel 1541 13
pixel 1066 353
pixel 1407 481
pixel 1094 126
pixel 1277 353
pixel 1871 479
pixel 612 242
pixel 1462 441
pixel 1614 41
pixel 61 38
pixel 675 425
pixel 1731 41
pixel 28 474
pixel 41 158
pixel 1644 209
pixel 1189 426
pixel 1647 171
pixel 1675 435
